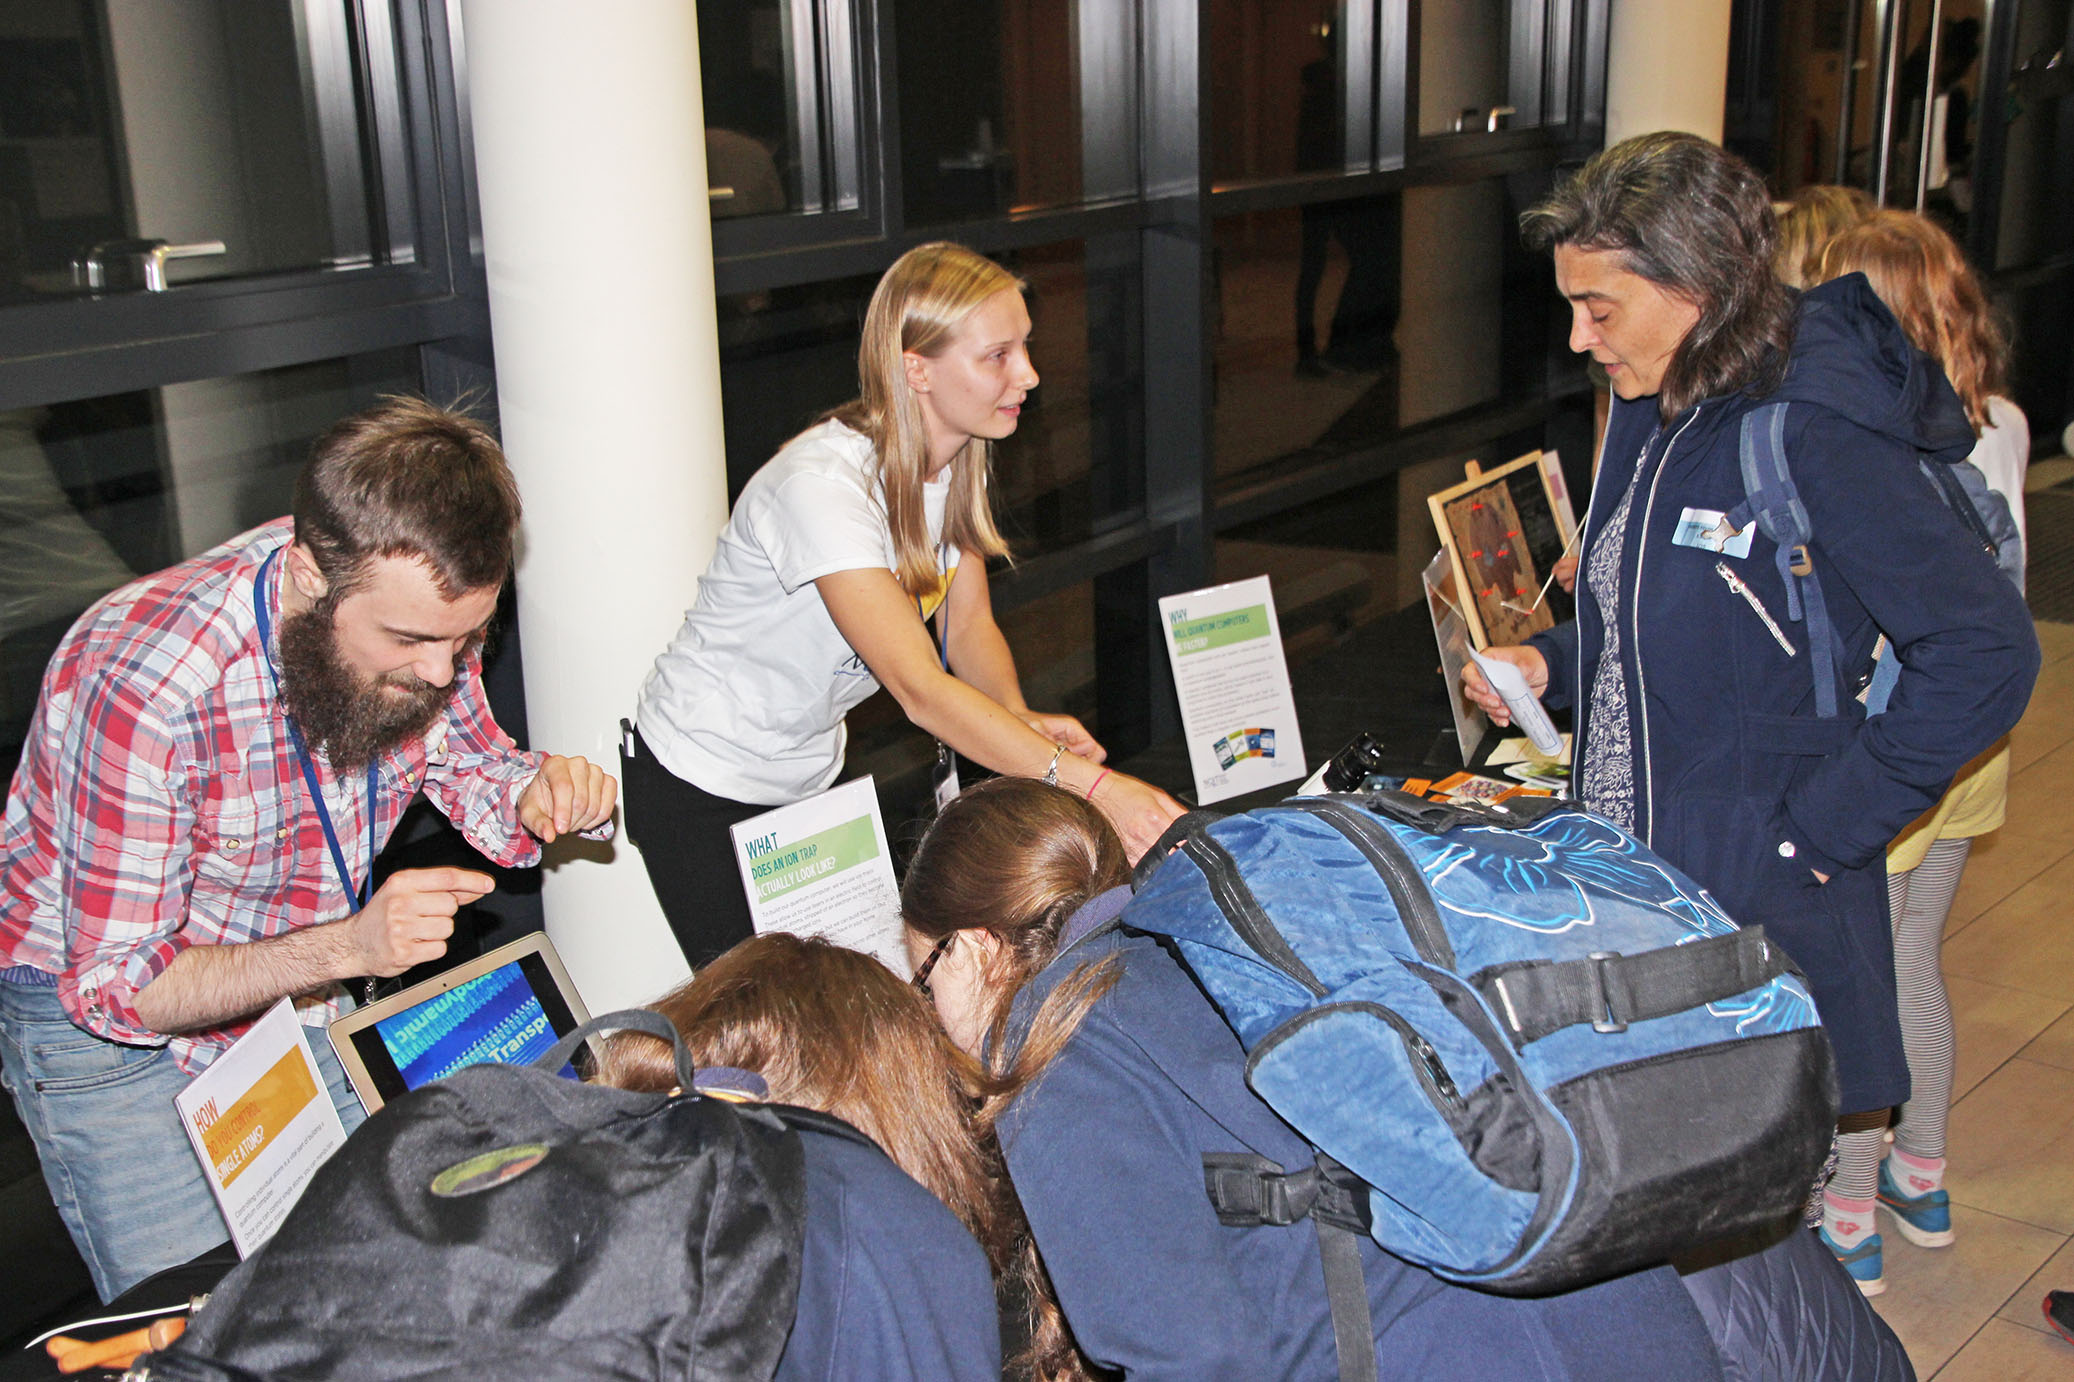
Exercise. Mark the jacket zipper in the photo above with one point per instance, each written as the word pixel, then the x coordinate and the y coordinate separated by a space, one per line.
pixel 1641 696
pixel 1742 588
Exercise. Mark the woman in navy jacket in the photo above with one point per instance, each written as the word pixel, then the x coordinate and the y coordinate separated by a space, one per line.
pixel 1119 1076
pixel 1691 673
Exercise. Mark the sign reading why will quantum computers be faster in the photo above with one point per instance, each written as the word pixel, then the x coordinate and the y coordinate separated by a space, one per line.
pixel 262 1123
pixel 1225 645
pixel 820 867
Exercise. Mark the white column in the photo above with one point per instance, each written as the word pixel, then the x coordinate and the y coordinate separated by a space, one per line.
pixel 590 159
pixel 1667 68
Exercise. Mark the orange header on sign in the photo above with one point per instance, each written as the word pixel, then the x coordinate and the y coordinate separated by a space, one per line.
pixel 244 1129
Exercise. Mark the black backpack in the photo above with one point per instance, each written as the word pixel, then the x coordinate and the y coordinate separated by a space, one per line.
pixel 506 1222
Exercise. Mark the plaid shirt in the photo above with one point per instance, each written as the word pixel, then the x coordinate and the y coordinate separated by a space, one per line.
pixel 160 803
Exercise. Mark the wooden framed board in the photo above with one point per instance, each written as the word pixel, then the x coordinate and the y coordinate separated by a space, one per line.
pixel 1503 531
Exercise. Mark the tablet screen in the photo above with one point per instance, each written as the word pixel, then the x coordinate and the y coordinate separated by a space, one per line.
pixel 511 1015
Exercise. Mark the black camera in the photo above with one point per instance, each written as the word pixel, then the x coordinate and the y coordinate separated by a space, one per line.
pixel 1351 766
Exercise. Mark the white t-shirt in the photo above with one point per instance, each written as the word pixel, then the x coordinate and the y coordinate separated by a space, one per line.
pixel 748 700
pixel 2003 454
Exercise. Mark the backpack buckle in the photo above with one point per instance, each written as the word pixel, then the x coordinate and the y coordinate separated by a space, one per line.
pixel 1802 565
pixel 1601 1004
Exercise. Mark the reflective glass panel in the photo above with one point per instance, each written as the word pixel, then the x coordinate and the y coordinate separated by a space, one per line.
pixel 235 133
pixel 100 491
pixel 779 84
pixel 1307 344
pixel 1481 64
pixel 1345 322
pixel 1278 90
pixel 1010 105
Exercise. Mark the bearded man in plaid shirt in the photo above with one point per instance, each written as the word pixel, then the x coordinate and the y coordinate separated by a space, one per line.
pixel 219 752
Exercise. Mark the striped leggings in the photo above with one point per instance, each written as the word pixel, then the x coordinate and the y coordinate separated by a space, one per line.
pixel 1920 900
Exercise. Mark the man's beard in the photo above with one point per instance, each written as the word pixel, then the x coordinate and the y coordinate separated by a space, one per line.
pixel 350 720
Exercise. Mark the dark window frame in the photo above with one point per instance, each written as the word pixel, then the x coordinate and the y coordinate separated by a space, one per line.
pixel 78 348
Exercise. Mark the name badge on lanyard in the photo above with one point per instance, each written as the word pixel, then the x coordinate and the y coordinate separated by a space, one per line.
pixel 943 776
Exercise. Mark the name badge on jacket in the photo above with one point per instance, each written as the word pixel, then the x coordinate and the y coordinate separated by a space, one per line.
pixel 1710 531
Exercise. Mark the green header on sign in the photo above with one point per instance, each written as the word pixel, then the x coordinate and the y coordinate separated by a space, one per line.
pixel 816 857
pixel 1220 630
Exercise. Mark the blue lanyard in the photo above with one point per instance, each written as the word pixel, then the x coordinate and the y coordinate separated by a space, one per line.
pixel 944 576
pixel 356 894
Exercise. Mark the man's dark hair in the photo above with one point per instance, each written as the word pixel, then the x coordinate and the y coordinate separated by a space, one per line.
pixel 407 479
pixel 1696 221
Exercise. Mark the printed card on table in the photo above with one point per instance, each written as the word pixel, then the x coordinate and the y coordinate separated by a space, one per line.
pixel 820 867
pixel 262 1122
pixel 1225 645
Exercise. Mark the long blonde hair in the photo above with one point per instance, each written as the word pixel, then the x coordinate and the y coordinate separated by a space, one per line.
pixel 1817 214
pixel 1918 271
pixel 919 306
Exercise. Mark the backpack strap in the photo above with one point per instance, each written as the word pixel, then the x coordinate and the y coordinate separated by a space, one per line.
pixel 1184 826
pixel 1248 1190
pixel 625 1020
pixel 1771 498
pixel 1610 990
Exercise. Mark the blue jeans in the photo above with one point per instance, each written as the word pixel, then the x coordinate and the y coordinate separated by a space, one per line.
pixel 120 1168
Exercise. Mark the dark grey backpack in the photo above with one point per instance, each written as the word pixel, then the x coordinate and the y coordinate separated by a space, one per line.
pixel 506 1222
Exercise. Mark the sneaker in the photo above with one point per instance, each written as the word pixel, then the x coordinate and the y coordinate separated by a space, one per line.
pixel 2059 1313
pixel 1862 1262
pixel 1925 1220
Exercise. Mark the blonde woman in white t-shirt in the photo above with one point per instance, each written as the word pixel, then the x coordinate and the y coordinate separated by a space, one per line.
pixel 839 554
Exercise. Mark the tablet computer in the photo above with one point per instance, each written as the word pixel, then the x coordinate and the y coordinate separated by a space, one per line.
pixel 508 1006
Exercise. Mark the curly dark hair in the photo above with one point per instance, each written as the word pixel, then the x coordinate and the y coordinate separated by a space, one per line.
pixel 1696 221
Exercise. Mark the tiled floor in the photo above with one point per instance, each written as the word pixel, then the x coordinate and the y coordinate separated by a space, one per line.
pixel 1969 1312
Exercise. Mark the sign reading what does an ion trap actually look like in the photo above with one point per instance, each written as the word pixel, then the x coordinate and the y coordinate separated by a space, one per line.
pixel 820 867
pixel 1225 645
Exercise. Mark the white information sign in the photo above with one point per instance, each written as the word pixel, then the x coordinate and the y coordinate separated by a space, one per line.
pixel 820 867
pixel 262 1122
pixel 1225 645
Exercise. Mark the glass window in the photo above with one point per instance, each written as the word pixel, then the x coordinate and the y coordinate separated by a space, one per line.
pixel 1481 63
pixel 1307 355
pixel 232 137
pixel 1011 105
pixel 780 96
pixel 1344 322
pixel 103 490
pixel 1279 85
pixel 790 354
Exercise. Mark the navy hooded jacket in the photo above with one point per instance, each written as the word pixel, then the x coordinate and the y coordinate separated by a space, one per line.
pixel 1737 781
pixel 1106 1149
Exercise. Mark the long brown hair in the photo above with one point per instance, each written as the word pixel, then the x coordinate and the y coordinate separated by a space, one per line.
pixel 1918 271
pixel 919 306
pixel 1696 221
pixel 1017 858
pixel 833 1029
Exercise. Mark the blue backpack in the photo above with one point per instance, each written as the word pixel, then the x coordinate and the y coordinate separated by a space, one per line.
pixel 1771 499
pixel 1529 1052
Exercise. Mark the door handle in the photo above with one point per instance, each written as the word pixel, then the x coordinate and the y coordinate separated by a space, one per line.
pixel 90 270
pixel 1471 114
